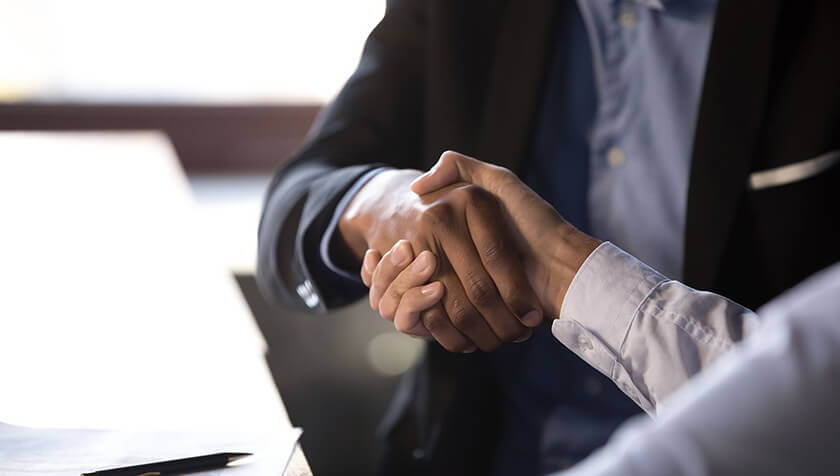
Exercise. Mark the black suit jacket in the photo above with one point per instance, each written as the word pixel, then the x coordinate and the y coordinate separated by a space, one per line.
pixel 468 75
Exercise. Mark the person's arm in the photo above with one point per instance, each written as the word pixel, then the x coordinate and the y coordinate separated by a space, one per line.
pixel 767 407
pixel 647 333
pixel 375 119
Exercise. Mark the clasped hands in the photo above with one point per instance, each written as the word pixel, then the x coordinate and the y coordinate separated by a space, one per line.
pixel 465 254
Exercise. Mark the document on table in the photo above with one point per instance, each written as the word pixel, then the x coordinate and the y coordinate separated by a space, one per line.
pixel 60 452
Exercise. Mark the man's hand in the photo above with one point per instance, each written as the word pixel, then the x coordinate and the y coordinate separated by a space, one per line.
pixel 486 296
pixel 407 295
pixel 553 250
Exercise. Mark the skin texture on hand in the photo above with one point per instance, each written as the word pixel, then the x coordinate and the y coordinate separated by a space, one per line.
pixel 398 289
pixel 553 249
pixel 486 296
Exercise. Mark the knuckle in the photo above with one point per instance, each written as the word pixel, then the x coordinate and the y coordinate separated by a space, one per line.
pixel 480 292
pixel 463 317
pixel 393 294
pixel 505 174
pixel 478 198
pixel 440 213
pixel 472 193
pixel 493 251
pixel 449 157
pixel 401 325
pixel 433 319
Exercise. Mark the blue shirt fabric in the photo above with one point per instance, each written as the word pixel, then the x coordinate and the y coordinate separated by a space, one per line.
pixel 611 152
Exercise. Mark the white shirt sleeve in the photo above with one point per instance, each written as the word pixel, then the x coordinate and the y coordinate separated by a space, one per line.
pixel 647 333
pixel 769 407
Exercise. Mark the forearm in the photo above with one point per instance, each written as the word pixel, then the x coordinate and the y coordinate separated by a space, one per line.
pixel 377 117
pixel 296 212
pixel 647 333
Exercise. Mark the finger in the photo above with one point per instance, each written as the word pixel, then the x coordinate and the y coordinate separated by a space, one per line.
pixel 418 273
pixel 391 264
pixel 477 284
pixel 437 323
pixel 475 305
pixel 372 258
pixel 462 313
pixel 453 167
pixel 414 301
pixel 446 171
pixel 499 255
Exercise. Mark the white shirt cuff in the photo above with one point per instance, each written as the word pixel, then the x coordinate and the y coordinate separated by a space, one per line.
pixel 598 311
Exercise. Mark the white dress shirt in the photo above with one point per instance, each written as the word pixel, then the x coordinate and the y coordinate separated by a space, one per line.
pixel 769 405
pixel 647 333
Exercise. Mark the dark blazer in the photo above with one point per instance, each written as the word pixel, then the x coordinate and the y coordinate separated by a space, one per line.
pixel 467 75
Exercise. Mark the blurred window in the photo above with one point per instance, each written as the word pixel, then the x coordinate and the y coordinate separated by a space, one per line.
pixel 180 51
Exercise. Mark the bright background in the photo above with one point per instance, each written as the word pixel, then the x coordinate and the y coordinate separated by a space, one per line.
pixel 271 60
pixel 252 51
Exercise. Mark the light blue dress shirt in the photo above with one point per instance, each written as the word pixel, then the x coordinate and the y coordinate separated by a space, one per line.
pixel 649 59
pixel 612 152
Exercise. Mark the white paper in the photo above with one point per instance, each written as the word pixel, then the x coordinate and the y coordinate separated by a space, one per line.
pixel 63 452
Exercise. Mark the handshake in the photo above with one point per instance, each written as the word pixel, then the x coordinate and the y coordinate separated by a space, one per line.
pixel 465 254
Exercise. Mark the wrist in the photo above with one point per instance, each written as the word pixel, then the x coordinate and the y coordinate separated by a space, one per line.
pixel 570 249
pixel 373 205
pixel 352 225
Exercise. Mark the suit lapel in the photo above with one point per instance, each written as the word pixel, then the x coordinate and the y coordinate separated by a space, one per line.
pixel 515 85
pixel 728 127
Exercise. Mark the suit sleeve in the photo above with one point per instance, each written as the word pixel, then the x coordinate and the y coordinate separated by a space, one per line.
pixel 375 121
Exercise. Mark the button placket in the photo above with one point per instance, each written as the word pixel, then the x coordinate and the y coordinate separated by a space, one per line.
pixel 627 19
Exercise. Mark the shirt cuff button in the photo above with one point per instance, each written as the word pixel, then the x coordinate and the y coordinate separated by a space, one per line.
pixel 584 342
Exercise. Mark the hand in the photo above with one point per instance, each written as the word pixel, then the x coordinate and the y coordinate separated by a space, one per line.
pixel 397 291
pixel 486 298
pixel 553 249
pixel 400 293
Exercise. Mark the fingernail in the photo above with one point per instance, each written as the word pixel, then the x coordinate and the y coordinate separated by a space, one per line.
pixel 523 338
pixel 533 318
pixel 429 289
pixel 398 255
pixel 370 266
pixel 422 263
pixel 470 350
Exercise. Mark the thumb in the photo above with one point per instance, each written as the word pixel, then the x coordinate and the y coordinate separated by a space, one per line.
pixel 452 167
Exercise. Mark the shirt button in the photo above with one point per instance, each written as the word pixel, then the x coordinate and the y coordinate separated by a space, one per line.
pixel 627 19
pixel 584 342
pixel 615 157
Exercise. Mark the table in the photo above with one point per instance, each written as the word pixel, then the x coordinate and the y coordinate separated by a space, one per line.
pixel 114 310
